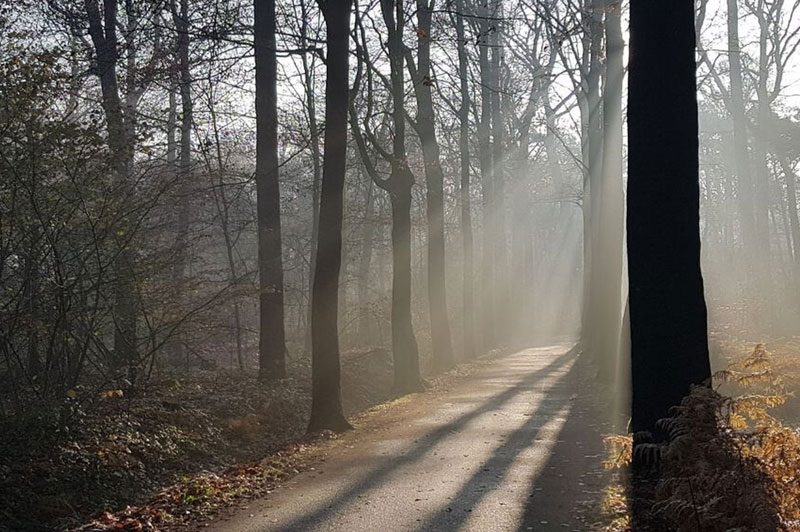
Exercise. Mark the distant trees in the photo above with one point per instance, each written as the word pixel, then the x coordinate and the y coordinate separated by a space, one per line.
pixel 669 342
pixel 133 249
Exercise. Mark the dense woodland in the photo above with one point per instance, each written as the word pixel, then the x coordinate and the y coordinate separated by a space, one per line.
pixel 258 191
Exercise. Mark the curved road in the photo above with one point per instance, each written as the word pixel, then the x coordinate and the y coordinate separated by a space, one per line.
pixel 517 445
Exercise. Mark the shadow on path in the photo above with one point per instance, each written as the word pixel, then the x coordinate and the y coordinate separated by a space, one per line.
pixel 493 471
pixel 528 381
pixel 568 490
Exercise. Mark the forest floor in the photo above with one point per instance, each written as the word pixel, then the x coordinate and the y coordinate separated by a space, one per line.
pixel 186 445
pixel 515 446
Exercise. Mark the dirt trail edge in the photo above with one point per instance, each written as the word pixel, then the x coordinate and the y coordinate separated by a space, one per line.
pixel 515 446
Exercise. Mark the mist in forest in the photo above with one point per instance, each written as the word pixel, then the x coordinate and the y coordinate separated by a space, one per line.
pixel 278 214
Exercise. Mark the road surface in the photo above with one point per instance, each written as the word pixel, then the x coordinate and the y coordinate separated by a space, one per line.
pixel 515 446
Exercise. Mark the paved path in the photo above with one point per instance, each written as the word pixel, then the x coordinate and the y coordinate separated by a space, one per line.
pixel 515 446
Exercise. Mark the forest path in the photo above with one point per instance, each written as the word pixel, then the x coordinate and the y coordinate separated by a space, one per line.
pixel 515 446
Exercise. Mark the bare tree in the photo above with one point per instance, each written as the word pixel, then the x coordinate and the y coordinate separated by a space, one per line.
pixel 272 345
pixel 326 404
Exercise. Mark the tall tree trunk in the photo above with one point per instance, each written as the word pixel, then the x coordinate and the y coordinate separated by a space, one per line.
pixel 487 192
pixel 468 281
pixel 434 178
pixel 272 345
pixel 499 249
pixel 103 32
pixel 594 168
pixel 404 344
pixel 180 16
pixel 669 342
pixel 326 402
pixel 610 216
pixel 311 108
pixel 741 158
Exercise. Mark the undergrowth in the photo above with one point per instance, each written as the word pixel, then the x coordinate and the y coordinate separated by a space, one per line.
pixel 729 464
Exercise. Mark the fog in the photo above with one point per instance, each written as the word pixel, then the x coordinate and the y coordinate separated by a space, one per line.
pixel 296 212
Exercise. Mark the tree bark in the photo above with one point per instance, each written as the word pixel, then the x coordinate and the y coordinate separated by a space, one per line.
pixel 326 403
pixel 607 264
pixel 741 158
pixel 466 200
pixel 180 16
pixel 498 235
pixel 272 345
pixel 407 378
pixel 365 314
pixel 311 108
pixel 434 178
pixel 404 344
pixel 593 162
pixel 399 184
pixel 669 342
pixel 103 32
pixel 487 192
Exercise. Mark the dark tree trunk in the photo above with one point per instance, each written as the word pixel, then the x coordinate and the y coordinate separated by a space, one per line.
pixel 103 32
pixel 466 200
pixel 326 403
pixel 404 344
pixel 271 345
pixel 311 108
pixel 434 178
pixel 180 16
pixel 669 343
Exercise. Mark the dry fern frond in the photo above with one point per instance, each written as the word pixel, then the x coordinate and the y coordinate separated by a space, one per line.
pixel 619 448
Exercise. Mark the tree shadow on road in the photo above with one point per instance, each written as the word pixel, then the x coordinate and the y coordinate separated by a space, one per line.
pixel 567 493
pixel 491 474
pixel 425 444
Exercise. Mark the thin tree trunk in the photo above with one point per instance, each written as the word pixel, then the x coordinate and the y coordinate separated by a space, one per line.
pixel 326 403
pixel 610 218
pixel 742 161
pixel 434 178
pixel 468 281
pixel 223 208
pixel 272 345
pixel 487 192
pixel 594 166
pixel 365 313
pixel 499 249
pixel 180 16
pixel 794 220
pixel 311 108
